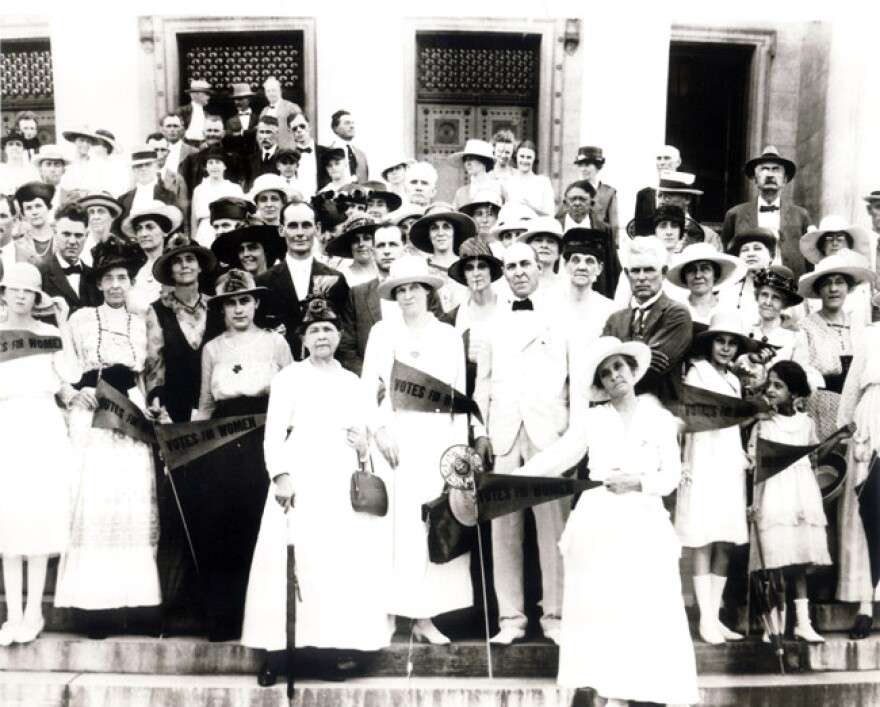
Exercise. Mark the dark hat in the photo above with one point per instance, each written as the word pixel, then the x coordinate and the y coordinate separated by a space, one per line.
pixel 334 153
pixel 317 309
pixel 116 252
pixel 226 245
pixel 590 153
pixel 781 279
pixel 14 135
pixel 464 228
pixel 771 154
pixel 392 200
pixel 242 90
pixel 352 193
pixel 327 211
pixel 291 153
pixel 214 152
pixel 198 85
pixel 762 235
pixel 108 138
pixel 678 183
pixel 642 226
pixel 342 244
pixel 474 248
pixel 646 226
pixel 35 190
pixel 102 198
pixel 232 283
pixel 176 245
pixel 484 197
pixel 586 240
pixel 142 155
pixel 231 207
pixel 872 197
pixel 268 119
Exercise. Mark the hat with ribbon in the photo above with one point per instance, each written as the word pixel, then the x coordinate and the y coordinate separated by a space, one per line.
pixel 847 263
pixel 480 149
pixel 590 154
pixel 234 283
pixel 166 216
pixel 603 348
pixel 472 249
pixel 226 246
pixel 102 198
pixel 234 208
pixel 406 270
pixel 177 245
pixel 361 224
pixel 858 239
pixel 728 268
pixel 781 279
pixel 771 154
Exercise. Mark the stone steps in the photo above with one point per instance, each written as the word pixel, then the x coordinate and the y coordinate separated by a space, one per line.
pixel 34 689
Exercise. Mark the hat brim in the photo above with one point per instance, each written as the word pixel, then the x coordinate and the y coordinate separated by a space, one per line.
pixel 226 245
pixel 639 351
pixel 789 166
pixel 341 245
pixel 528 236
pixel 456 270
pixel 464 228
pixel 43 303
pixel 460 157
pixel 97 272
pixel 115 208
pixel 680 190
pixel 702 339
pixel 162 266
pixel 72 135
pixel 39 159
pixel 385 290
pixel 469 209
pixel 807 283
pixel 732 269
pixel 255 292
pixel 170 213
pixel 809 243
pixel 737 242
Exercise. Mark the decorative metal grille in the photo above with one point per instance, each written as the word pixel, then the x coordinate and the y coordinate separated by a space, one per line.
pixel 26 73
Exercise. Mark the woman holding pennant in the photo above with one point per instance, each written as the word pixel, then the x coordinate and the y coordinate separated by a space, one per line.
pixel 111 562
pixel 34 478
pixel 626 640
pixel 414 369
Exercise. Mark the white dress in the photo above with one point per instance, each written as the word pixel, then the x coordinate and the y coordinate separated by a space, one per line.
pixel 114 532
pixel 711 507
pixel 36 471
pixel 624 629
pixel 204 193
pixel 418 587
pixel 341 562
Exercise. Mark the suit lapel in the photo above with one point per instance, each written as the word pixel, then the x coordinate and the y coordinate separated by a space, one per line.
pixel 373 303
pixel 62 284
pixel 750 217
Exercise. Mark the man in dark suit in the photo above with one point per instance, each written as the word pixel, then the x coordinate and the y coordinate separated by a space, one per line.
pixel 244 119
pixel 668 160
pixel 64 274
pixel 147 185
pixel 194 112
pixel 281 109
pixel 297 276
pixel 192 169
pixel 342 123
pixel 261 159
pixel 653 319
pixel 771 172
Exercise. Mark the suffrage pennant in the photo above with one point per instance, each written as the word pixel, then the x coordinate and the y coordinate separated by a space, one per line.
pixel 412 389
pixel 703 410
pixel 500 494
pixel 184 442
pixel 772 457
pixel 18 343
pixel 116 412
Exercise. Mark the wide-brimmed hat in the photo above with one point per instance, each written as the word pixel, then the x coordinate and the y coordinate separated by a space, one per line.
pixel 234 208
pixel 102 198
pixel 167 216
pixel 242 90
pixel 730 267
pixel 464 228
pixel 861 240
pixel 761 235
pixel 317 309
pixel 341 245
pixel 81 131
pixel 392 200
pixel 177 245
pixel 35 190
pixel 226 245
pixel 606 346
pixel 724 323
pixel 13 135
pixel 268 182
pixel 590 153
pixel 475 248
pixel 678 183
pixel 233 283
pixel 872 197
pixel 108 138
pixel 198 85
pixel 405 270
pixel 542 226
pixel 847 263
pixel 484 197
pixel 142 155
pixel 50 152
pixel 587 240
pixel 24 276
pixel 475 148
pixel 115 252
pixel 214 152
pixel 398 161
pixel 406 211
pixel 647 225
pixel 781 279
pixel 512 217
pixel 771 154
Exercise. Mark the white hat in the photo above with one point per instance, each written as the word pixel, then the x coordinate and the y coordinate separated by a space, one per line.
pixel 846 262
pixel 168 217
pixel 731 267
pixel 405 270
pixel 861 238
pixel 268 182
pixel 542 226
pixel 513 216
pixel 50 152
pixel 606 346
pixel 24 276
pixel 475 148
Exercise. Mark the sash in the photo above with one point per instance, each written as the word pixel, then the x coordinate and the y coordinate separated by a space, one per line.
pixel 19 343
pixel 184 442
pixel 116 412
pixel 412 389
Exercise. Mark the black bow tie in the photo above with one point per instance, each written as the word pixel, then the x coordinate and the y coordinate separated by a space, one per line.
pixel 767 209
pixel 73 269
pixel 305 149
pixel 522 305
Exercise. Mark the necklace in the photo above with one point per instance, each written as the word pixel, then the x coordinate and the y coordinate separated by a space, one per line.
pixel 45 250
pixel 191 308
pixel 127 335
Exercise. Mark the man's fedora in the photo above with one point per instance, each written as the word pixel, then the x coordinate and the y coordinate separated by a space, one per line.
pixel 872 197
pixel 198 86
pixel 242 90
pixel 50 152
pixel 143 155
pixel 771 154
pixel 678 183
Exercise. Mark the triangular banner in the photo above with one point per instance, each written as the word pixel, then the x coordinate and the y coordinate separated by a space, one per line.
pixel 772 457
pixel 184 442
pixel 702 410
pixel 500 494
pixel 18 343
pixel 412 389
pixel 116 412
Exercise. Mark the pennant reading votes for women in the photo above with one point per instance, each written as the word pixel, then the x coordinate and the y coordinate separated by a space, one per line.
pixel 773 457
pixel 702 410
pixel 412 389
pixel 185 442
pixel 500 494
pixel 18 343
pixel 116 412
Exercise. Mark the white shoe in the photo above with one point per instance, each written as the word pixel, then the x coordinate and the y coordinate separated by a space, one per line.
pixel 29 630
pixel 553 634
pixel 710 633
pixel 729 635
pixel 424 630
pixel 507 635
pixel 8 631
pixel 803 629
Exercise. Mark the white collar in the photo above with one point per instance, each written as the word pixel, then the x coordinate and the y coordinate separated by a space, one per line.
pixel 635 304
pixel 299 265
pixel 777 202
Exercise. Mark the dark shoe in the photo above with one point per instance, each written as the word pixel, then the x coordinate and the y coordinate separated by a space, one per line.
pixel 861 627
pixel 268 675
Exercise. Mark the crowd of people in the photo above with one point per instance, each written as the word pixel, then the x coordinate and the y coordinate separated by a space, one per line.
pixel 238 274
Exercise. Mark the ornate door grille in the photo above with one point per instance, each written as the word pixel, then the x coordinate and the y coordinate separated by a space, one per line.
pixel 26 83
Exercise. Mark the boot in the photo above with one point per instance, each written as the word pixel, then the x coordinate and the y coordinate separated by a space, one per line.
pixel 803 629
pixel 708 617
pixel 718 583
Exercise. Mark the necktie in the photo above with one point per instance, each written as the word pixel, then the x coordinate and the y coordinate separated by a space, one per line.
pixel 638 324
pixel 305 149
pixel 73 269
pixel 352 162
pixel 768 209
pixel 267 157
pixel 522 305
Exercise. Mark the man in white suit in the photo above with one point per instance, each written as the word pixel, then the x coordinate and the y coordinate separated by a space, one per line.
pixel 522 391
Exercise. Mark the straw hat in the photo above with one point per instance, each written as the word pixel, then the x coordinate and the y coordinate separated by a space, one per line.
pixel 606 346
pixel 398 161
pixel 846 263
pixel 24 276
pixel 724 323
pixel 730 267
pixel 678 183
pixel 50 152
pixel 168 217
pixel 268 182
pixel 102 198
pixel 233 283
pixel 484 197
pixel 405 270
pixel 226 245
pixel 198 85
pixel 406 211
pixel 781 279
pixel 242 90
pixel 176 246
pixel 475 249
pixel 464 228
pixel 475 148
pixel 859 237
pixel 512 217
pixel 542 226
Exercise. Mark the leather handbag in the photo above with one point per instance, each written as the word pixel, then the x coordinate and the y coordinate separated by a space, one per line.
pixel 368 493
pixel 447 538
